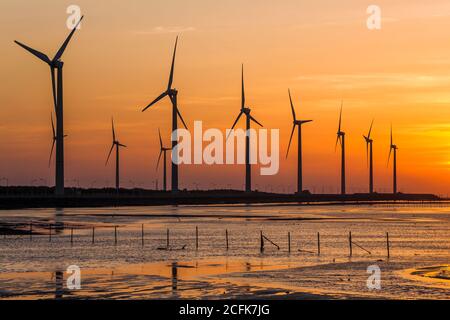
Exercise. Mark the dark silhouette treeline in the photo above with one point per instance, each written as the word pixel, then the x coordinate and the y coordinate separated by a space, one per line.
pixel 44 197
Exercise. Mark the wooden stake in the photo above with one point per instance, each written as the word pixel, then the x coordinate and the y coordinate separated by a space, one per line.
pixel 31 231
pixel 71 236
pixel 262 243
pixel 196 238
pixel 226 237
pixel 289 242
pixel 388 245
pixel 115 235
pixel 142 235
pixel 93 235
pixel 168 238
pixel 50 234
pixel 318 243
pixel 350 243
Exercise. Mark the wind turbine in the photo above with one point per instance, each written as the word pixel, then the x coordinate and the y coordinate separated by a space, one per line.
pixel 54 141
pixel 56 70
pixel 172 93
pixel 163 152
pixel 249 118
pixel 393 149
pixel 115 144
pixel 341 139
pixel 369 154
pixel 297 123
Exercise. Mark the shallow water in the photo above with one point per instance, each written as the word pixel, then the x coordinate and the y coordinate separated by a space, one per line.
pixel 34 267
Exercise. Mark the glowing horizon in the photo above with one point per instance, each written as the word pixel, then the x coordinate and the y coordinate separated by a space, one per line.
pixel 119 61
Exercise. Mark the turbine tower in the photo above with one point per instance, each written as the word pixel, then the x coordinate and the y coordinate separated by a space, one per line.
pixel 172 93
pixel 163 152
pixel 341 139
pixel 115 144
pixel 393 149
pixel 369 155
pixel 249 118
pixel 56 70
pixel 299 124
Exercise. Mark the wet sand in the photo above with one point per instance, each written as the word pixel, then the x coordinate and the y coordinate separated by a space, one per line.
pixel 35 268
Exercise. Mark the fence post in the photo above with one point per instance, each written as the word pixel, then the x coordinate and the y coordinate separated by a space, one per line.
pixel 115 235
pixel 196 238
pixel 262 243
pixel 350 243
pixel 168 238
pixel 289 242
pixel 93 235
pixel 226 237
pixel 388 245
pixel 318 243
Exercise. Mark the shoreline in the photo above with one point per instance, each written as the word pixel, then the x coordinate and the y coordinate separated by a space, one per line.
pixel 80 198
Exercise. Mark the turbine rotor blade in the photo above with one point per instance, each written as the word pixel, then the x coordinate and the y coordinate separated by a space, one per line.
pixel 370 130
pixel 113 131
pixel 53 127
pixel 55 98
pixel 66 42
pixel 163 95
pixel 337 141
pixel 181 118
pixel 51 153
pixel 389 158
pixel 159 159
pixel 243 90
pixel 109 155
pixel 340 118
pixel 36 53
pixel 292 106
pixel 256 121
pixel 160 139
pixel 173 66
pixel 235 123
pixel 367 152
pixel 290 141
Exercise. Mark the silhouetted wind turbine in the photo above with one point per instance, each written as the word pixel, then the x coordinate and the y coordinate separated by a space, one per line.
pixel 341 139
pixel 57 89
pixel 297 123
pixel 172 94
pixel 115 144
pixel 247 111
pixel 393 149
pixel 163 152
pixel 369 155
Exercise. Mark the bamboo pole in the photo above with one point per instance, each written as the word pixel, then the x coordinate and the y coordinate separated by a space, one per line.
pixel 262 243
pixel 350 243
pixel 196 238
pixel 289 242
pixel 226 238
pixel 388 245
pixel 168 239
pixel 318 243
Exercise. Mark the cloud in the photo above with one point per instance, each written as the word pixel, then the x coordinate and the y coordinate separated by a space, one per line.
pixel 166 30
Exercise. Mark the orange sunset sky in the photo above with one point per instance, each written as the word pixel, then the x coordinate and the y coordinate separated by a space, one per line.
pixel 119 61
